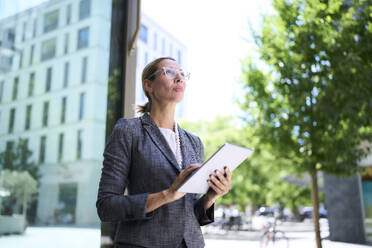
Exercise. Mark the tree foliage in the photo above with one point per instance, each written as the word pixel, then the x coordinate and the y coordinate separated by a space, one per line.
pixel 255 182
pixel 21 187
pixel 312 102
pixel 17 157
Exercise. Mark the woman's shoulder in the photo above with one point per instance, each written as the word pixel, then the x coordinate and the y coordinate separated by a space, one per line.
pixel 128 124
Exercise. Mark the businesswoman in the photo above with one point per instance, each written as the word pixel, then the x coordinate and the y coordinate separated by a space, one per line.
pixel 151 156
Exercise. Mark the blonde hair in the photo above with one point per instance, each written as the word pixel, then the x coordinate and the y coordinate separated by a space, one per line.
pixel 148 73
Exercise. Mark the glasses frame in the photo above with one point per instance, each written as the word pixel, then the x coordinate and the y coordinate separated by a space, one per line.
pixel 186 76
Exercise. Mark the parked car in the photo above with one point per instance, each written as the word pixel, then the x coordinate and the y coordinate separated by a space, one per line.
pixel 307 212
pixel 265 211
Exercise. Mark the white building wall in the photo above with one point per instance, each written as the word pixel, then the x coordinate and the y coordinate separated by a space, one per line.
pixel 147 52
pixel 85 172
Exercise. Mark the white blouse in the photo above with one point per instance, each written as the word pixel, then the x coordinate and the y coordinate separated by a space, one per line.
pixel 174 143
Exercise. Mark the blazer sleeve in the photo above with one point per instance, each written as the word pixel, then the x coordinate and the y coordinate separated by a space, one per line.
pixel 203 216
pixel 112 205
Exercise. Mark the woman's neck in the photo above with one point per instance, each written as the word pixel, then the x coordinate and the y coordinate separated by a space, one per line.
pixel 163 116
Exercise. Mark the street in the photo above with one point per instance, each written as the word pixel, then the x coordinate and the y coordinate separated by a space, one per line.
pixel 298 234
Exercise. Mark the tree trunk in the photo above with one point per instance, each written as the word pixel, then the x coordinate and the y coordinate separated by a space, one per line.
pixel 314 195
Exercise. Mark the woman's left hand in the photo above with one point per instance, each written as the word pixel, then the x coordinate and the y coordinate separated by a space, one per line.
pixel 219 183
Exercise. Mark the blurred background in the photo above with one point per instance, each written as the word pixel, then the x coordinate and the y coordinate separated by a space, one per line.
pixel 291 79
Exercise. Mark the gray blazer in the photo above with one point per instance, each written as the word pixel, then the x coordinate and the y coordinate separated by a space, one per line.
pixel 137 157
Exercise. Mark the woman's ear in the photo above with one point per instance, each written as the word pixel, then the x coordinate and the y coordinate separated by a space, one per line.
pixel 147 85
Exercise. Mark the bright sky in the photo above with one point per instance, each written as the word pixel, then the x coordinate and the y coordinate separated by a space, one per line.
pixel 217 36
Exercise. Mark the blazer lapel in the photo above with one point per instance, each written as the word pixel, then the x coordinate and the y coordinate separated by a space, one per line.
pixel 158 139
pixel 188 153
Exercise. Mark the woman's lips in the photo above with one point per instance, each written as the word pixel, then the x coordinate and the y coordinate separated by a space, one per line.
pixel 178 89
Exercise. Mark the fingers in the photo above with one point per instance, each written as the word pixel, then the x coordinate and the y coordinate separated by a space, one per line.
pixel 221 177
pixel 220 187
pixel 220 183
pixel 228 173
pixel 214 187
pixel 184 173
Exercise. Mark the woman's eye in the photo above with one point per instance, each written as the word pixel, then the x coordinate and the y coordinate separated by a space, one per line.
pixel 182 74
pixel 170 72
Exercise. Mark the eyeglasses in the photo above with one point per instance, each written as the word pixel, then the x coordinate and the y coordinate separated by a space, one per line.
pixel 172 74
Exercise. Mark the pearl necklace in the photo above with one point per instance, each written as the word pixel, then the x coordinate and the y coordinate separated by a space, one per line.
pixel 178 146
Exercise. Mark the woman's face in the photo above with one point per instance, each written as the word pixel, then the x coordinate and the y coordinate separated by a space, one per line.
pixel 162 88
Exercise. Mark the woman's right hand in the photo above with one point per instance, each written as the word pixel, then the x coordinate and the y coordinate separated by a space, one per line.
pixel 172 191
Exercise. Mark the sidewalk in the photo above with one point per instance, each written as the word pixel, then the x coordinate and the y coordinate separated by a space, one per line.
pixel 299 234
pixel 61 237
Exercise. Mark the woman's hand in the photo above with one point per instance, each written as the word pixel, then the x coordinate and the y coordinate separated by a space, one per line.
pixel 172 193
pixel 219 184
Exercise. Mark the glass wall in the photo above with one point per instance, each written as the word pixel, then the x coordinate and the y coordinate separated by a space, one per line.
pixel 54 67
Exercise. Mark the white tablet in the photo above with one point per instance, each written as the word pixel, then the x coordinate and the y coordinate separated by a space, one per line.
pixel 227 155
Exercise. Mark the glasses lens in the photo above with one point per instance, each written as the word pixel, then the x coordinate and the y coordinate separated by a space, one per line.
pixel 172 74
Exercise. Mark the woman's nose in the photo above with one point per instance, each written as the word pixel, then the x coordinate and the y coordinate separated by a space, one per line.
pixel 179 78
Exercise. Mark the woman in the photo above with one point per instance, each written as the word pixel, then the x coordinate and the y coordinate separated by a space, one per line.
pixel 151 156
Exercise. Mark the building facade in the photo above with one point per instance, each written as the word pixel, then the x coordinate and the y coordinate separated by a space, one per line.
pixel 53 93
pixel 54 62
pixel 155 42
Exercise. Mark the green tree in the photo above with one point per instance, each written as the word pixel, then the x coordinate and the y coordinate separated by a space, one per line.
pixel 247 180
pixel 253 183
pixel 17 157
pixel 312 101
pixel 21 186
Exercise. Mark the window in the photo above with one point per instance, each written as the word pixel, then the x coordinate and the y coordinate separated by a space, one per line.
pixel 1 90
pixel 35 28
pixel 68 14
pixel 31 84
pixel 45 113
pixel 48 49
pixel 42 149
pixel 84 66
pixel 24 31
pixel 163 47
pixel 60 147
pixel 28 117
pixel 146 58
pixel 11 120
pixel 81 105
pixel 32 54
pixel 155 41
pixel 63 110
pixel 79 145
pixel 67 38
pixel 50 21
pixel 83 38
pixel 8 158
pixel 48 82
pixel 170 50
pixel 65 74
pixel 9 148
pixel 84 9
pixel 6 63
pixel 8 38
pixel 20 59
pixel 15 88
pixel 179 57
pixel 143 33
